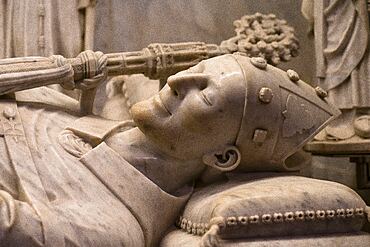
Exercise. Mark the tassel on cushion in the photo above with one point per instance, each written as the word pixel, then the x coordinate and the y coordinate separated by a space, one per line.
pixel 211 237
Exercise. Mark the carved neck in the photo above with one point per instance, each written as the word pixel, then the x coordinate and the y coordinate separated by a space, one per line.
pixel 167 172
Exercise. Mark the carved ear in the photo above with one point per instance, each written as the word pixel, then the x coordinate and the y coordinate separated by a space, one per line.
pixel 225 160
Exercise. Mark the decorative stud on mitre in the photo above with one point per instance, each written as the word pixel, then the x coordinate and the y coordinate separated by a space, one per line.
pixel 259 62
pixel 265 95
pixel 321 92
pixel 293 76
pixel 240 53
pixel 259 136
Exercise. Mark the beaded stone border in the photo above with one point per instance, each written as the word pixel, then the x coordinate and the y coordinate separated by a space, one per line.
pixel 308 215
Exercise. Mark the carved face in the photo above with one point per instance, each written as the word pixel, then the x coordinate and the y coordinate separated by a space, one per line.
pixel 199 110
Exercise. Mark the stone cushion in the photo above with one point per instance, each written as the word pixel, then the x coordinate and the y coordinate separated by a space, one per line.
pixel 274 206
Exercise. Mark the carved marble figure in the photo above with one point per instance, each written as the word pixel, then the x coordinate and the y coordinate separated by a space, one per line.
pixel 68 180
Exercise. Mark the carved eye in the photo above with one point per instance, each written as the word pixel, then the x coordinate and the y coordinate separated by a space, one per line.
pixel 203 85
pixel 205 98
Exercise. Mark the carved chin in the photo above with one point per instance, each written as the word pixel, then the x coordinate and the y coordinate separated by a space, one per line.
pixel 141 115
pixel 146 117
pixel 151 122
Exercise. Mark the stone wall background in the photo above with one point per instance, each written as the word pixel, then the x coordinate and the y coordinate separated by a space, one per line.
pixel 128 25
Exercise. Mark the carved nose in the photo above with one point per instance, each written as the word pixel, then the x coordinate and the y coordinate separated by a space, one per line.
pixel 181 82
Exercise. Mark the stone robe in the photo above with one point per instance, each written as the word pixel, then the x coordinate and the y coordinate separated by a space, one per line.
pixel 342 51
pixel 44 28
pixel 53 198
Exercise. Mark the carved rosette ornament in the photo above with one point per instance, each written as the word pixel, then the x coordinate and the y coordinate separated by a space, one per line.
pixel 264 36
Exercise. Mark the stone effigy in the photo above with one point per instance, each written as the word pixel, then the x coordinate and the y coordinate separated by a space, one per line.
pixel 73 179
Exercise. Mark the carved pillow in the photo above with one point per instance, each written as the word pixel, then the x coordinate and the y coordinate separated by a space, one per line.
pixel 273 206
